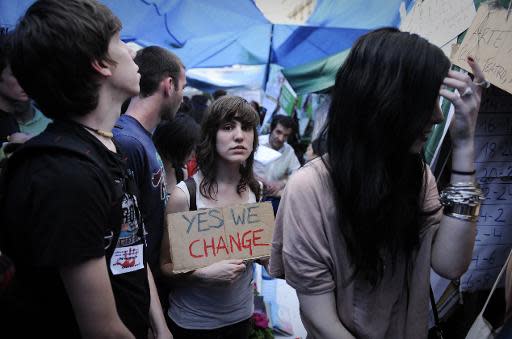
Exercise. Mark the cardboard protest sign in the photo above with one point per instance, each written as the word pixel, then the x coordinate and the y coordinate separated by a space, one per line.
pixel 203 237
pixel 489 42
pixel 438 21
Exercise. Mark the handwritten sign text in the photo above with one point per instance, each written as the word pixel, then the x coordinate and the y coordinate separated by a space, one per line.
pixel 200 238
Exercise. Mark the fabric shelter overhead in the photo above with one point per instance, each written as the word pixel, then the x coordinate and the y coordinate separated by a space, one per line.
pixel 220 33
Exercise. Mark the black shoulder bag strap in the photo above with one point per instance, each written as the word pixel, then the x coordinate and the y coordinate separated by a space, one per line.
pixel 438 332
pixel 191 186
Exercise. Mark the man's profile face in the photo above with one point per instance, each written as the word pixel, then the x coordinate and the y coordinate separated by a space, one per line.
pixel 10 89
pixel 177 97
pixel 278 136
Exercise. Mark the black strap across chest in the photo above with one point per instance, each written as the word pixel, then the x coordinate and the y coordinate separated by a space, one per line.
pixel 191 186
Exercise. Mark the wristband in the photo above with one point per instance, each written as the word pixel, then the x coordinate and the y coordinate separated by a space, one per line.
pixel 463 172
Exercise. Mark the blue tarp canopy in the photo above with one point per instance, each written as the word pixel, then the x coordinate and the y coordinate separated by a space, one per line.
pixel 205 33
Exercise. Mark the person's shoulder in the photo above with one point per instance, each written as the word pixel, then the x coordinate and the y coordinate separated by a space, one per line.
pixel 316 166
pixel 429 175
pixel 309 175
pixel 71 165
pixel 263 139
pixel 57 152
pixel 130 134
pixel 39 116
pixel 288 149
pixel 59 170
pixel 127 126
pixel 128 142
pixel 287 146
pixel 61 150
pixel 124 120
pixel 179 200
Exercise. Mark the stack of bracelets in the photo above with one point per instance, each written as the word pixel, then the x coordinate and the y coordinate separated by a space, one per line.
pixel 462 200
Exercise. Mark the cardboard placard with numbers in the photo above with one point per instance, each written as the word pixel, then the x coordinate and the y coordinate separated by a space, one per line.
pixel 493 163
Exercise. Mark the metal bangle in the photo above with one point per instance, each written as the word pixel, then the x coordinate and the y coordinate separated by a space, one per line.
pixel 463 211
pixel 462 192
pixel 462 217
pixel 462 200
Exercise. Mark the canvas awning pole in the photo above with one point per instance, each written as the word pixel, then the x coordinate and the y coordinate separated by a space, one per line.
pixel 269 60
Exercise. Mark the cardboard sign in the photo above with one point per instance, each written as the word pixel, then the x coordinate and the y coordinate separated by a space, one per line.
pixel 438 21
pixel 203 237
pixel 489 41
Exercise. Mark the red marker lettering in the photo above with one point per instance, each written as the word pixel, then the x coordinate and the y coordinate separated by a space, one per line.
pixel 223 246
pixel 256 238
pixel 247 243
pixel 190 249
pixel 214 245
pixel 206 247
pixel 237 243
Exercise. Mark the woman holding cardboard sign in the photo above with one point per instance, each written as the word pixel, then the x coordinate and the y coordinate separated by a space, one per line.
pixel 216 301
pixel 359 229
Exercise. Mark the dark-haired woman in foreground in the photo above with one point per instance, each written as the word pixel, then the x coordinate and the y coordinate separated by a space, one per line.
pixel 216 301
pixel 359 228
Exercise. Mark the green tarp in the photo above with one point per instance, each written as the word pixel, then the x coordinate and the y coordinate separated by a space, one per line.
pixel 315 76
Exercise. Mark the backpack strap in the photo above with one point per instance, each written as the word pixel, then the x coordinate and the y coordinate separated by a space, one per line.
pixel 259 196
pixel 191 186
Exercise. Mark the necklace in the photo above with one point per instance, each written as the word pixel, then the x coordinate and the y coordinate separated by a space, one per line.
pixel 105 134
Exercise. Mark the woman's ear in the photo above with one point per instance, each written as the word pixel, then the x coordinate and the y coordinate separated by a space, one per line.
pixel 101 68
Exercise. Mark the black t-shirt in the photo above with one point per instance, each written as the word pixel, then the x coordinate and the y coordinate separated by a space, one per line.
pixel 63 209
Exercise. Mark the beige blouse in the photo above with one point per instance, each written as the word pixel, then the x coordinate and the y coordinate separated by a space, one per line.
pixel 309 250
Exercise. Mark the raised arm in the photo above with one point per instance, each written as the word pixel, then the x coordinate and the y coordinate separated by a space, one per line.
pixel 453 246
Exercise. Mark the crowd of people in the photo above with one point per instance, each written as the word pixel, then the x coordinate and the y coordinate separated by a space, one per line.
pixel 85 189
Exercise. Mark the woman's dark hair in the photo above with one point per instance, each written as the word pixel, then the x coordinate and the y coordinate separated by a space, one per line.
pixel 53 47
pixel 225 109
pixel 318 146
pixel 198 107
pixel 4 44
pixel 185 106
pixel 383 98
pixel 219 93
pixel 176 139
